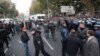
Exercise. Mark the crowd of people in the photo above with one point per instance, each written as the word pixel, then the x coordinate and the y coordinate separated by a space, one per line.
pixel 78 38
pixel 8 30
pixel 5 30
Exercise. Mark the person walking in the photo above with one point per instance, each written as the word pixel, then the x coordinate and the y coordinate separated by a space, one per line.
pixel 91 47
pixel 73 43
pixel 64 34
pixel 25 39
pixel 82 30
pixel 52 28
pixel 7 33
pixel 46 29
pixel 2 36
pixel 81 34
pixel 38 43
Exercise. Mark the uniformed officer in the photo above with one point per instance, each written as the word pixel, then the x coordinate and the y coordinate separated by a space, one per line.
pixel 38 43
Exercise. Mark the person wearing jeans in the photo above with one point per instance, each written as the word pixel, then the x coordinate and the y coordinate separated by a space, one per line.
pixel 25 39
pixel 64 34
pixel 26 49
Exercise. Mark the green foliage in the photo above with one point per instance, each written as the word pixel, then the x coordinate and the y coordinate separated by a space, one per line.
pixel 54 5
pixel 7 9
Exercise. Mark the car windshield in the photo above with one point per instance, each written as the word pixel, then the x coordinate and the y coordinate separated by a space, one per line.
pixel 40 17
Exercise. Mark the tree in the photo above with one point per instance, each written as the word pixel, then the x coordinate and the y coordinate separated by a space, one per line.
pixel 35 8
pixel 4 7
pixel 7 9
pixel 54 5
pixel 12 12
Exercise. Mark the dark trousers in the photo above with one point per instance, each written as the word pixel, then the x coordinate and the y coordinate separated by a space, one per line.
pixel 12 33
pixel 2 54
pixel 52 33
pixel 82 48
pixel 6 42
pixel 2 48
pixel 37 50
pixel 63 48
pixel 71 55
pixel 81 51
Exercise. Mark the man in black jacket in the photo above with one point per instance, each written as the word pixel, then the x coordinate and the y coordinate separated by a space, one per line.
pixel 7 32
pixel 73 44
pixel 2 36
pixel 51 27
pixel 82 34
pixel 38 43
pixel 1 48
pixel 25 39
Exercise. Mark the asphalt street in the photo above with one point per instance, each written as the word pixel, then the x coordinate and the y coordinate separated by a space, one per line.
pixel 52 47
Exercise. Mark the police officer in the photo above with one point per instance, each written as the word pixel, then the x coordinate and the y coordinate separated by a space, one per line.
pixel 38 43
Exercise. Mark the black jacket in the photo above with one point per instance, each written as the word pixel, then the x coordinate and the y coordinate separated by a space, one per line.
pixel 37 40
pixel 1 46
pixel 73 43
pixel 97 35
pixel 24 37
pixel 3 33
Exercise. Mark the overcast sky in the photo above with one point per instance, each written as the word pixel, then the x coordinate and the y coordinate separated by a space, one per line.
pixel 22 5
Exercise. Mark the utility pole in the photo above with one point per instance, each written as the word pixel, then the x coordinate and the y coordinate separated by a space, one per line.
pixel 48 8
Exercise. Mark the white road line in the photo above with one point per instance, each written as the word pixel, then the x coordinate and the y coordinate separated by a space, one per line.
pixel 19 41
pixel 9 45
pixel 5 50
pixel 48 43
pixel 46 40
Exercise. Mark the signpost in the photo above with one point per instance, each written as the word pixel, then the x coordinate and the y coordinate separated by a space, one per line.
pixel 69 10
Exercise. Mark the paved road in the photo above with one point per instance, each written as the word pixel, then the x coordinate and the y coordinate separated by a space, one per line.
pixel 52 47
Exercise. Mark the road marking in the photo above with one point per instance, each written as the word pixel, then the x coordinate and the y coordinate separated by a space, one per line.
pixel 46 40
pixel 9 45
pixel 12 55
pixel 6 50
pixel 19 41
pixel 48 43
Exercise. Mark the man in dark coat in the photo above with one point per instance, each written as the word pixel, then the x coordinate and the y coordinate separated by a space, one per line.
pixel 38 43
pixel 73 43
pixel 25 39
pixel 64 35
pixel 81 34
pixel 7 38
pixel 2 36
pixel 51 27
pixel 91 47
pixel 81 31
